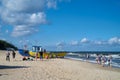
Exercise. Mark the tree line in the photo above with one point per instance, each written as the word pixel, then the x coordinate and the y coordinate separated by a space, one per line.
pixel 4 45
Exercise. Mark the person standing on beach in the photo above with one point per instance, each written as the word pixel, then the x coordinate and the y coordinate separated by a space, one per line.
pixel 37 52
pixel 41 53
pixel 104 59
pixel 8 56
pixel 100 59
pixel 13 54
pixel 109 61
pixel 36 55
pixel 97 59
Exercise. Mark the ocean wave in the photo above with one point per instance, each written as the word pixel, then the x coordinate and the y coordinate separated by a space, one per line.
pixel 114 64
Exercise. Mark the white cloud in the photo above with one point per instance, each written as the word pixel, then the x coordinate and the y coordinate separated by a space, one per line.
pixel 98 42
pixel 84 40
pixel 23 15
pixel 112 44
pixel 52 4
pixel 74 43
pixel 60 44
pixel 18 33
pixel 114 40
pixel 39 18
pixel 24 5
pixel 30 13
pixel 22 30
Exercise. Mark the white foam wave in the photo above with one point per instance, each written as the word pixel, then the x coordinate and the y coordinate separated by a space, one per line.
pixel 93 61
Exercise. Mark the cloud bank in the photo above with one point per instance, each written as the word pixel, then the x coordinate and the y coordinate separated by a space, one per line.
pixel 84 44
pixel 25 15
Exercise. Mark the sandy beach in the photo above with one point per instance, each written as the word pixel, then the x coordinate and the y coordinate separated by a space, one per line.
pixel 54 69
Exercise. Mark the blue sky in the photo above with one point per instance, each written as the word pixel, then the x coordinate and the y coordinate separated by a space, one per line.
pixel 72 25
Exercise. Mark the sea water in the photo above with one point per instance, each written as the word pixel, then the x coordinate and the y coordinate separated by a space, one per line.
pixel 92 57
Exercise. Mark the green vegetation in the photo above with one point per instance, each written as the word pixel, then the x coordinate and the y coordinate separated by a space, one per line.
pixel 5 44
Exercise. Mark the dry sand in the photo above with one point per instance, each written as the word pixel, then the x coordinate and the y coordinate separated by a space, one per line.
pixel 54 69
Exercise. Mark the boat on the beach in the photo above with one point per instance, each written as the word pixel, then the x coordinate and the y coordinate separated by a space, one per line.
pixel 35 49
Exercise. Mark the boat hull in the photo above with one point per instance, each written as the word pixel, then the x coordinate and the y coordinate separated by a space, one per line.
pixel 23 52
pixel 45 55
pixel 48 54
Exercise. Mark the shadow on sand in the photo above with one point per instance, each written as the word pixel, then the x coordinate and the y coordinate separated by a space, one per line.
pixel 11 67
pixel 3 74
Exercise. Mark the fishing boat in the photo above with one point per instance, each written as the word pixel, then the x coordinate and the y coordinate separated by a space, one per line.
pixel 37 49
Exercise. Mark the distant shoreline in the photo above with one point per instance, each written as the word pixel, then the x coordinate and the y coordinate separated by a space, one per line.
pixel 100 66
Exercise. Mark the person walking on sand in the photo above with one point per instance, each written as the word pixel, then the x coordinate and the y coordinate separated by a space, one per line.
pixel 8 56
pixel 13 54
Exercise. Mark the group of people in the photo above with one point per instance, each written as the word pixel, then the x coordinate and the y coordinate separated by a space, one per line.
pixel 40 53
pixel 102 60
pixel 8 55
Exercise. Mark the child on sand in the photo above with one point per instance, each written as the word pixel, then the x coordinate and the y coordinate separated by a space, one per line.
pixel 8 56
